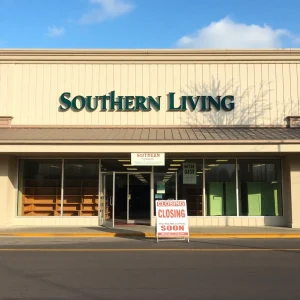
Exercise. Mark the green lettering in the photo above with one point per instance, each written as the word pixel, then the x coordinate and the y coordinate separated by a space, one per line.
pixel 129 102
pixel 171 103
pixel 81 103
pixel 64 101
pixel 103 102
pixel 152 102
pixel 229 105
pixel 189 100
pixel 113 101
pixel 140 103
pixel 215 103
pixel 203 103
pixel 89 103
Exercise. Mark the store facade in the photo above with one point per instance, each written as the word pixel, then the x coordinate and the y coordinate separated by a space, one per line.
pixel 220 129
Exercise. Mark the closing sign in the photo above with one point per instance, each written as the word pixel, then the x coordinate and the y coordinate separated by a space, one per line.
pixel 171 218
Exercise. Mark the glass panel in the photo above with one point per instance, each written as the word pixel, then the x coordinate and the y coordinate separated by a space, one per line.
pixel 139 198
pixel 260 187
pixel 220 187
pixel 121 198
pixel 81 187
pixel 107 199
pixel 121 165
pixel 39 187
pixel 164 183
pixel 190 183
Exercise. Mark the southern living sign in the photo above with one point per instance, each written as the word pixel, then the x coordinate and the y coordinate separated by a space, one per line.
pixel 112 102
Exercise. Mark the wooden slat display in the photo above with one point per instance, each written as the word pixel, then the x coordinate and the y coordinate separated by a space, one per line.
pixel 80 199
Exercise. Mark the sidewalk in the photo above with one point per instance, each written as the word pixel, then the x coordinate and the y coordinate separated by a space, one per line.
pixel 147 231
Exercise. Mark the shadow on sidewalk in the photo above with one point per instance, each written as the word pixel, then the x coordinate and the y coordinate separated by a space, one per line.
pixel 128 232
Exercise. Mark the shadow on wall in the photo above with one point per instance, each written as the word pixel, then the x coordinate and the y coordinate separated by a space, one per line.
pixel 252 106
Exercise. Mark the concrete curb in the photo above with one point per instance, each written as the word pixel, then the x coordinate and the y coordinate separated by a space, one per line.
pixel 152 235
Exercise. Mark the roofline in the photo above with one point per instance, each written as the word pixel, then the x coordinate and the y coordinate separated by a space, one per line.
pixel 148 142
pixel 149 51
pixel 146 55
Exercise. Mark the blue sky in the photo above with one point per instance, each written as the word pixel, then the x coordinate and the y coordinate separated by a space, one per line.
pixel 149 24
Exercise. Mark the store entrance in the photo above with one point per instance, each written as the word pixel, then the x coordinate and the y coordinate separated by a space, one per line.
pixel 139 198
pixel 125 198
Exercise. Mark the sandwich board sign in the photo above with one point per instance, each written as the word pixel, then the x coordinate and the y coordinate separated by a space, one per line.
pixel 172 219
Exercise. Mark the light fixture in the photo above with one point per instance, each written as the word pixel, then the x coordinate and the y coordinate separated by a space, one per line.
pixel 221 160
pixel 123 160
pixel 213 165
pixel 127 165
pixel 172 169
pixel 54 166
pixel 199 172
pixel 170 172
pixel 132 169
pixel 259 165
pixel 179 160
pixel 175 165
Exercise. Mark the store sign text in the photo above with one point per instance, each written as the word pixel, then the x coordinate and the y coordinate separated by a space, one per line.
pixel 111 102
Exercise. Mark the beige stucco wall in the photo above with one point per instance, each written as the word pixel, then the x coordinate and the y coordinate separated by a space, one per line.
pixel 294 189
pixel 8 188
pixel 265 86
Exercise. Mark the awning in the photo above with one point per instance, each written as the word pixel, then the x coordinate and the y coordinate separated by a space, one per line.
pixel 167 135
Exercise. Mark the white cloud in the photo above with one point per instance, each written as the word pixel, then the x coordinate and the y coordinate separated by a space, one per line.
pixel 228 34
pixel 54 31
pixel 106 9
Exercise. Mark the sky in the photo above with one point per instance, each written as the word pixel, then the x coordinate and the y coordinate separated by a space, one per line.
pixel 150 24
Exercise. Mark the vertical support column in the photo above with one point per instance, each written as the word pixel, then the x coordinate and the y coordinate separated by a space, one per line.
pixel 176 186
pixel 101 208
pixel 62 188
pixel 203 190
pixel 128 201
pixel 292 191
pixel 113 199
pixel 8 181
pixel 152 223
pixel 237 188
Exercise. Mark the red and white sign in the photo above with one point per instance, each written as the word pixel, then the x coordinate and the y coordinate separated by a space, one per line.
pixel 171 218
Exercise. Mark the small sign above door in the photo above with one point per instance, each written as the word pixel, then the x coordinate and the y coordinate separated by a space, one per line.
pixel 147 159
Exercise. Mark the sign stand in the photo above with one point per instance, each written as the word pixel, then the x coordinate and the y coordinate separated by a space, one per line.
pixel 171 221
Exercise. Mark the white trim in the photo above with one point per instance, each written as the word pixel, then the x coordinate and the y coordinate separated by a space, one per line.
pixel 204 190
pixel 152 196
pixel 62 188
pixel 237 189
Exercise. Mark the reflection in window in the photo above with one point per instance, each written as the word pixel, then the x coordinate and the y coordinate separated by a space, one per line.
pixel 39 188
pixel 260 187
pixel 164 183
pixel 122 165
pixel 220 187
pixel 190 184
pixel 81 179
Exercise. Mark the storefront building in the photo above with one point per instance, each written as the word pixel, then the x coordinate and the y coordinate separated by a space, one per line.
pixel 220 129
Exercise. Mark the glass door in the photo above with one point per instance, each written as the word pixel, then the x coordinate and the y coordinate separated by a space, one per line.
pixel 107 199
pixel 139 194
